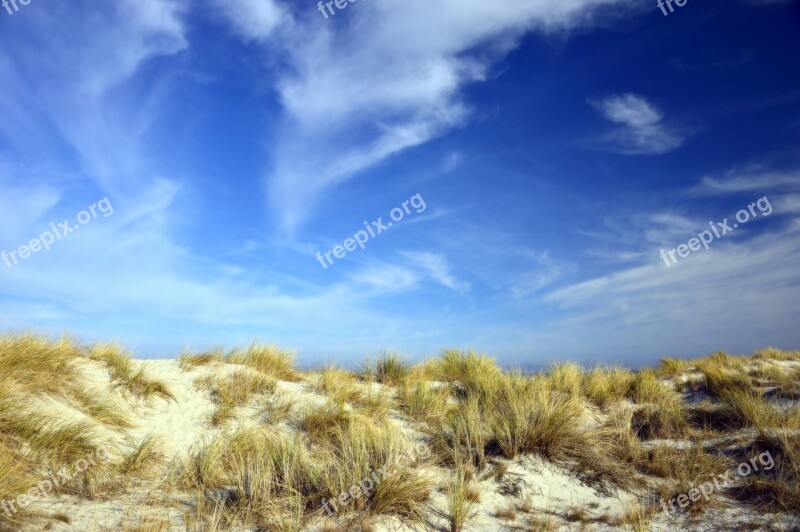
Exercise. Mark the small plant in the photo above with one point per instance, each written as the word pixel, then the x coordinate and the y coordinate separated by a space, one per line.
pixel 603 386
pixel 391 369
pixel 125 374
pixel 235 390
pixel 267 359
pixel 424 402
pixel 188 361
pixel 461 499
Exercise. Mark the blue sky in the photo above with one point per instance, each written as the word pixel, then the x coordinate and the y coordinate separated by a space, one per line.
pixel 558 145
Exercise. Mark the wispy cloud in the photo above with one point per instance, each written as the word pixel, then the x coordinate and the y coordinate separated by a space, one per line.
pixel 544 272
pixel 746 179
pixel 650 300
pixel 437 268
pixel 642 129
pixel 357 93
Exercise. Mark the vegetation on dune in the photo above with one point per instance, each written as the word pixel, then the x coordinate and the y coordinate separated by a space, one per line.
pixel 276 480
pixel 234 390
pixel 268 359
pixel 612 427
pixel 128 374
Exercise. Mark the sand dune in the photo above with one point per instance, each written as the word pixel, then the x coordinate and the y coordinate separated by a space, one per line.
pixel 244 441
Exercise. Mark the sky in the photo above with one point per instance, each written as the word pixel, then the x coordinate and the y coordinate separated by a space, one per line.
pixel 184 174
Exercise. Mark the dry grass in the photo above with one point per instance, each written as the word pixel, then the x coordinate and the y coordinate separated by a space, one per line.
pixel 478 421
pixel 507 512
pixel 543 421
pixel 776 488
pixel 566 379
pixel 771 353
pixel 462 436
pixel 338 384
pixel 275 410
pixel 375 404
pixel 143 458
pixel 125 374
pixel 276 483
pixel 637 517
pixel 722 381
pixel 319 423
pixel 424 402
pixel 268 359
pixel 461 498
pixel 605 386
pixel 391 369
pixel 147 524
pixel 662 413
pixel 234 390
pixel 188 361
pixel 472 375
pixel 16 477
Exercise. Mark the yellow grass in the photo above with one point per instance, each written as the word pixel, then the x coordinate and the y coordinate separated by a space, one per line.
pixel 126 374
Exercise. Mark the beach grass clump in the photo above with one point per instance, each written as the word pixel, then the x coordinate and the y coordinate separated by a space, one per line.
pixel 770 353
pixel 604 386
pixel 375 404
pixel 647 388
pixel 188 361
pixel 424 402
pixel 268 359
pixel 461 438
pixel 365 453
pixel 720 380
pixel 661 412
pixel 274 481
pixel 471 374
pixel 320 422
pixel 685 468
pixel 338 384
pixel 235 390
pixel 37 364
pixel 567 379
pixel 543 421
pixel 747 409
pixel 128 374
pixel 17 475
pixel 774 480
pixel 673 367
pixel 391 369
pixel 462 497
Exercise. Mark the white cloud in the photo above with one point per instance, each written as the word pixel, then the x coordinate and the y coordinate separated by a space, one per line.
pixel 383 277
pixel 254 20
pixel 361 89
pixel 642 130
pixel 742 293
pixel 545 272
pixel 744 180
pixel 79 60
pixel 437 268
